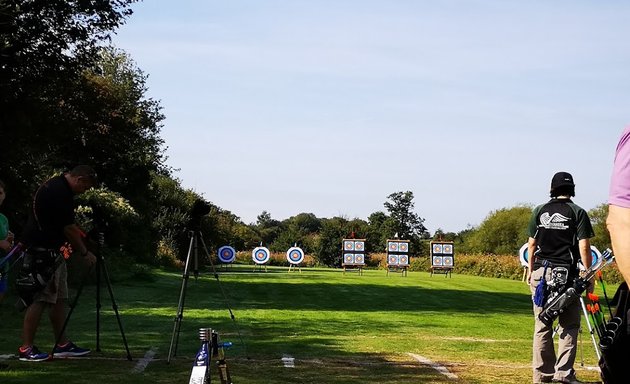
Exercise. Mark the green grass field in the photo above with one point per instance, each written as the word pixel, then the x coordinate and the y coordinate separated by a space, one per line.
pixel 337 328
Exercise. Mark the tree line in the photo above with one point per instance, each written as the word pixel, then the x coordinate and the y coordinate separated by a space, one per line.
pixel 69 97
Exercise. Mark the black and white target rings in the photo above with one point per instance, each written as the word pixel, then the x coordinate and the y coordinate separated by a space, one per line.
pixel 295 255
pixel 260 255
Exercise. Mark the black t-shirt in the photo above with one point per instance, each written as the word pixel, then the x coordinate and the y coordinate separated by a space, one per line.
pixel 53 209
pixel 557 227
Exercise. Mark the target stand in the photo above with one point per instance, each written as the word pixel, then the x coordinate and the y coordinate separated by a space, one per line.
pixel 442 258
pixel 397 256
pixel 353 255
pixel 295 256
pixel 260 256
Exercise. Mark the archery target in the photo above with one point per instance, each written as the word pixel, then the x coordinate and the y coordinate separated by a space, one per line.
pixel 523 255
pixel 447 249
pixel 260 255
pixel 392 260
pixel 403 247
pixel 437 261
pixel 403 260
pixel 392 246
pixel 447 261
pixel 348 245
pixel 359 246
pixel 596 258
pixel 295 255
pixel 437 248
pixel 227 254
pixel 348 258
pixel 359 258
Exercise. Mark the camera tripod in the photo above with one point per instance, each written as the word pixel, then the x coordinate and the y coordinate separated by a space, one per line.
pixel 192 257
pixel 99 268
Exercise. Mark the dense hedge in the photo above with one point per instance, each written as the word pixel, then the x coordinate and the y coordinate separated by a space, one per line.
pixel 499 266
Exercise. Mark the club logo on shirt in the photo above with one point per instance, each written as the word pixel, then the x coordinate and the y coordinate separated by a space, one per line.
pixel 555 221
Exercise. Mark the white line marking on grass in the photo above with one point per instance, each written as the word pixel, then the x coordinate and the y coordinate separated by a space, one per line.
pixel 6 357
pixel 288 361
pixel 142 363
pixel 437 367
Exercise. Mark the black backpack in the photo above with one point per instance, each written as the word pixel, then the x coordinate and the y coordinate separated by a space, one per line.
pixel 615 344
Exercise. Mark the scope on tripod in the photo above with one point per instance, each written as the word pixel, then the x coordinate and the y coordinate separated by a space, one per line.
pixel 199 209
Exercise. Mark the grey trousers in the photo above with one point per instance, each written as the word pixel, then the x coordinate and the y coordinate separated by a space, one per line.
pixel 546 365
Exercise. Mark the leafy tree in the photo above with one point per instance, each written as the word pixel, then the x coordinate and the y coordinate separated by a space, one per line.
pixel 406 222
pixel 445 236
pixel 329 248
pixel 45 46
pixel 300 230
pixel 380 227
pixel 598 217
pixel 503 231
pixel 264 219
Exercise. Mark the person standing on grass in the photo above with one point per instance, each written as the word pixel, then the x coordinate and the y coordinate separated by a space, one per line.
pixel 50 224
pixel 618 220
pixel 6 243
pixel 559 233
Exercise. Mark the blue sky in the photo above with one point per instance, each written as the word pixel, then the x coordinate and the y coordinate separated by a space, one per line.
pixel 330 106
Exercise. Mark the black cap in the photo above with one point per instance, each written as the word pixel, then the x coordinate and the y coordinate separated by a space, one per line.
pixel 562 179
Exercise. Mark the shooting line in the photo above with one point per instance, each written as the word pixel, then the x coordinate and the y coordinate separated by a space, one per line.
pixel 440 368
pixel 142 364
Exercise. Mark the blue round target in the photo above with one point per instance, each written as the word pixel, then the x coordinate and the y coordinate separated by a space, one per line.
pixel 260 255
pixel 295 255
pixel 227 254
pixel 523 255
pixel 596 258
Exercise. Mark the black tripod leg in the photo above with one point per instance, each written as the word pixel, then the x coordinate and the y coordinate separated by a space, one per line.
pixel 115 307
pixel 98 303
pixel 225 296
pixel 182 297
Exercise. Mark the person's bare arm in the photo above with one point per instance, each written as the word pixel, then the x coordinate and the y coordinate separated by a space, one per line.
pixel 531 247
pixel 618 223
pixel 585 253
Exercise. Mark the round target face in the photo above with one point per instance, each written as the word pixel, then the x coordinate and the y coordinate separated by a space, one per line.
pixel 348 258
pixel 295 255
pixel 448 249
pixel 393 259
pixel 437 261
pixel 403 247
pixel 348 245
pixel 523 254
pixel 448 261
pixel 393 247
pixel 260 255
pixel 358 246
pixel 596 258
pixel 437 248
pixel 404 259
pixel 227 254
pixel 358 259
